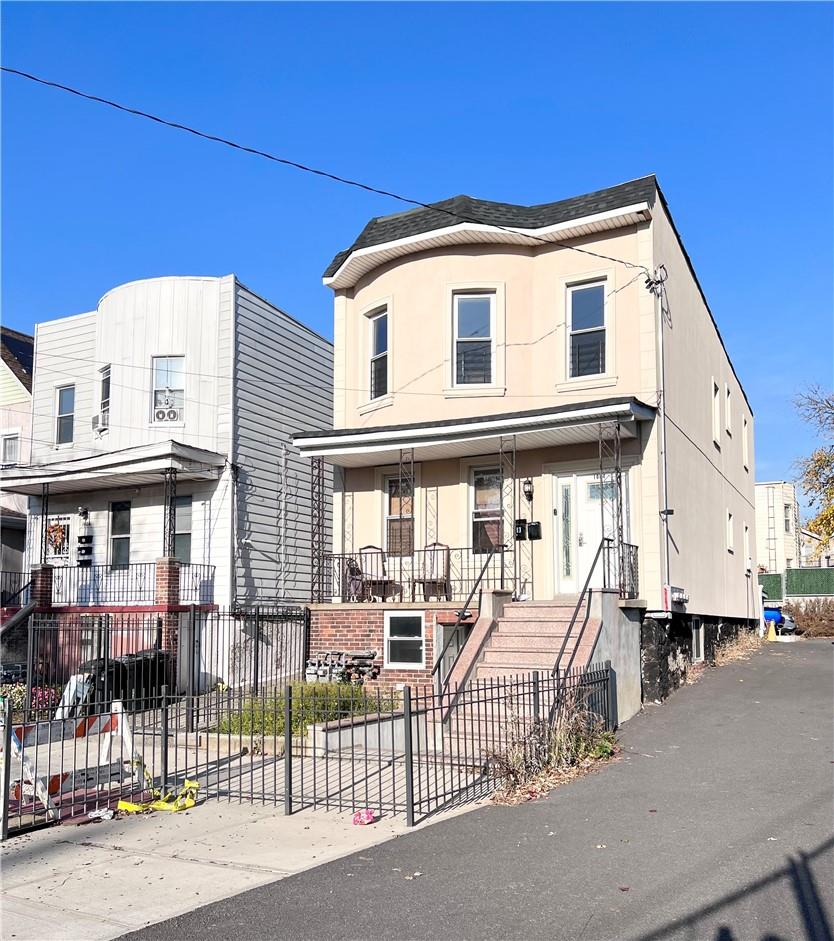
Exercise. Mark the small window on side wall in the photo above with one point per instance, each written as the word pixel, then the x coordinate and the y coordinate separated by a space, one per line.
pixel 716 414
pixel 745 443
pixel 65 415
pixel 379 354
pixel 120 534
pixel 168 389
pixel 697 640
pixel 586 327
pixel 405 646
pixel 474 337
pixel 11 449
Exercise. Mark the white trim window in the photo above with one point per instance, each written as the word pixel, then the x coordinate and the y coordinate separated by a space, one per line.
pixel 788 517
pixel 728 409
pixel 378 326
pixel 748 559
pixel 58 539
pixel 64 414
pixel 716 413
pixel 697 640
pixel 120 534
pixel 399 517
pixel 168 389
pixel 745 442
pixel 405 640
pixel 182 528
pixel 586 330
pixel 10 449
pixel 731 543
pixel 473 323
pixel 487 515
pixel 104 399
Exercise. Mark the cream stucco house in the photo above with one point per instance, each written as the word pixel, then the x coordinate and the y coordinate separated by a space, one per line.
pixel 778 526
pixel 538 395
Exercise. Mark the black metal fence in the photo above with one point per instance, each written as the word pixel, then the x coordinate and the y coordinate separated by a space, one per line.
pixel 620 567
pixel 131 707
pixel 14 588
pixel 438 572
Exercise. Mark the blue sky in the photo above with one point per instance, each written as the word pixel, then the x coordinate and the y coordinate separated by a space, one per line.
pixel 730 104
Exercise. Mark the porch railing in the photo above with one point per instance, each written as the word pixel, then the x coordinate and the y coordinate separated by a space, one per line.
pixel 620 567
pixel 104 584
pixel 436 573
pixel 196 583
pixel 14 588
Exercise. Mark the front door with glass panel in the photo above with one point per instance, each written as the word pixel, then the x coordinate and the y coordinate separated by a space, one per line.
pixel 583 511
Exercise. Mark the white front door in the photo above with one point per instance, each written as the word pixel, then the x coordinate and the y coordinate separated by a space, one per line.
pixel 580 519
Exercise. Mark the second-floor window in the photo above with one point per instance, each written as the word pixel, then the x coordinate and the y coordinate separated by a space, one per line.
pixel 788 517
pixel 168 388
pixel 65 415
pixel 11 449
pixel 104 398
pixel 586 320
pixel 379 354
pixel 745 443
pixel 120 533
pixel 474 336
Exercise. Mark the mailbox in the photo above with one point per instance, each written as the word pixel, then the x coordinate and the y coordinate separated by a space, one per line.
pixel 534 530
pixel 520 530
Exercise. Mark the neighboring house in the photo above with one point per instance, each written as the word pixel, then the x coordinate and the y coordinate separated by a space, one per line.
pixel 15 419
pixel 815 551
pixel 485 374
pixel 161 427
pixel 778 527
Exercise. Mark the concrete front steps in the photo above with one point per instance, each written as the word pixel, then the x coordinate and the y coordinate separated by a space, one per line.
pixel 529 636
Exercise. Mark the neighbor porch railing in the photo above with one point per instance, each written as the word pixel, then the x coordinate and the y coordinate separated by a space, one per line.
pixel 436 573
pixel 14 588
pixel 132 584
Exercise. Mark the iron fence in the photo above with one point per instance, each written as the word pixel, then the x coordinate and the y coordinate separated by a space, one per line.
pixel 620 567
pixel 196 583
pixel 104 584
pixel 131 707
pixel 437 572
pixel 14 588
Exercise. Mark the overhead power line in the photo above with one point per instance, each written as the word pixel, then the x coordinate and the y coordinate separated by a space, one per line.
pixel 317 171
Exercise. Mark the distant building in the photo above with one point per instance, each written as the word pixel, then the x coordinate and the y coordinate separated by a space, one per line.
pixel 16 350
pixel 778 527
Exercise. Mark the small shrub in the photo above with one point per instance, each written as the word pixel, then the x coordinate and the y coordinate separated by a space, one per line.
pixel 814 618
pixel 43 697
pixel 312 703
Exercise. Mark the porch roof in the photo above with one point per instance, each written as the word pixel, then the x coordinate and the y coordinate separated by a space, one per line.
pixel 129 467
pixel 468 437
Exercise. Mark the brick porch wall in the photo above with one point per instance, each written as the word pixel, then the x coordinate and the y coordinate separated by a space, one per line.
pixel 359 627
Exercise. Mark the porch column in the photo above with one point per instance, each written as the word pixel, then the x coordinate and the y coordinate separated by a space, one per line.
pixel 169 520
pixel 44 521
pixel 42 585
pixel 167 596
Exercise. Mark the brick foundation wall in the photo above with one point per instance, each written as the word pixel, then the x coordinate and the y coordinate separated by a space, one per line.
pixel 362 627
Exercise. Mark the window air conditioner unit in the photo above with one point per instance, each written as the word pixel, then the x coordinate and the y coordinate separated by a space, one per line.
pixel 101 422
pixel 167 414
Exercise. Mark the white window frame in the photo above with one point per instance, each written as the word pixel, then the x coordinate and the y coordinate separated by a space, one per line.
pixel 716 413
pixel 787 518
pixel 728 409
pixel 9 435
pixel 154 389
pixel 745 443
pixel 59 415
pixel 178 531
pixel 697 640
pixel 386 516
pixel 395 664
pixel 570 288
pixel 121 536
pixel 372 319
pixel 731 544
pixel 104 402
pixel 748 558
pixel 456 296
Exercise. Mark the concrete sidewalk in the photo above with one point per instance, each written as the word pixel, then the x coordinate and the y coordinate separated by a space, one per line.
pixel 100 880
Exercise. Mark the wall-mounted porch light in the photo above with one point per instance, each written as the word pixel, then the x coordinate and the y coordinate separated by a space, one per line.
pixel 527 489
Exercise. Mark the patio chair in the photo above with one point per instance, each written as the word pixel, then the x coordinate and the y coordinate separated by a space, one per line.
pixel 433 573
pixel 375 582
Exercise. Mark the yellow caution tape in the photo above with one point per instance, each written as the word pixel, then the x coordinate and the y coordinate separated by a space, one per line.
pixel 184 800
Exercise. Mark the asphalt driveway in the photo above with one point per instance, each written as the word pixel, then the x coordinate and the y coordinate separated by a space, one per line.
pixel 715 824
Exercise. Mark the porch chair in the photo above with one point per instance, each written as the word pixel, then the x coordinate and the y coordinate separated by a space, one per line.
pixel 375 581
pixel 433 574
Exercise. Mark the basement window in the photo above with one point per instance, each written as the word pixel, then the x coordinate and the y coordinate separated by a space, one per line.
pixel 405 646
pixel 697 640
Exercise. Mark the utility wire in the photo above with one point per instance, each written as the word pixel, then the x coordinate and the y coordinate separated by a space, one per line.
pixel 285 161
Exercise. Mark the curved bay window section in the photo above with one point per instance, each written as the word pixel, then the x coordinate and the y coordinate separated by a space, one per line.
pixel 586 317
pixel 379 354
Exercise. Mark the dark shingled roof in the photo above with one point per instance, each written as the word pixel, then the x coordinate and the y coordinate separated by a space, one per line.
pixel 17 351
pixel 468 209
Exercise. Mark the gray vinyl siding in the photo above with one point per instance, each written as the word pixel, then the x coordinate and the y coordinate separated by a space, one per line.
pixel 283 382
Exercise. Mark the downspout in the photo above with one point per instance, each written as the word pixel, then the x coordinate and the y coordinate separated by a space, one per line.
pixel 657 289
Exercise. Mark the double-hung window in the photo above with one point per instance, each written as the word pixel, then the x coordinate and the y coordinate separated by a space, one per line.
pixel 65 415
pixel 586 308
pixel 474 337
pixel 399 517
pixel 182 527
pixel 104 398
pixel 486 510
pixel 11 449
pixel 379 354
pixel 405 645
pixel 120 533
pixel 788 517
pixel 168 388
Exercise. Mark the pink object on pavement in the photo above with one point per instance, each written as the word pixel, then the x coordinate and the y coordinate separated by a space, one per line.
pixel 363 817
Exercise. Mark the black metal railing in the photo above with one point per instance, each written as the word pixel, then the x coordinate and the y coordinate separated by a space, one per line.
pixel 620 567
pixel 104 584
pixel 14 588
pixel 438 572
pixel 196 583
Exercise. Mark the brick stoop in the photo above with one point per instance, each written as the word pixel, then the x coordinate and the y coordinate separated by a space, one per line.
pixel 529 635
